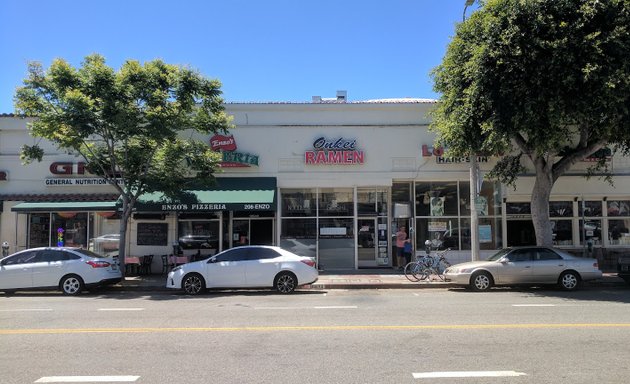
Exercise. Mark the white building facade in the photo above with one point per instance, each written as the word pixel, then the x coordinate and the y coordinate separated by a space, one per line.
pixel 329 179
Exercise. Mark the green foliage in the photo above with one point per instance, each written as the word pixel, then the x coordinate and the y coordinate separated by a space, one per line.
pixel 135 125
pixel 127 124
pixel 535 77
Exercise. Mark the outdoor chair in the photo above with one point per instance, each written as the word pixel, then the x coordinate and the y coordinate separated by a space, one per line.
pixel 145 267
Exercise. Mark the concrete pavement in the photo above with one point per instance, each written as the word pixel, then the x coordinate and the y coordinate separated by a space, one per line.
pixel 352 279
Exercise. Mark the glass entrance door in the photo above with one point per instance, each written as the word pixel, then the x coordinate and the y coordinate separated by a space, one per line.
pixel 367 244
pixel 252 232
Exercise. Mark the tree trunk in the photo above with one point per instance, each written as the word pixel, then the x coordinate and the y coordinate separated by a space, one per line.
pixel 540 206
pixel 122 245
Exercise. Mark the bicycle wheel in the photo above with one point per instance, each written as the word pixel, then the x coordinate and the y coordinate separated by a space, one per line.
pixel 411 269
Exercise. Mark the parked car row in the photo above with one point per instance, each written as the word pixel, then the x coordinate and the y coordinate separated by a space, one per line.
pixel 72 270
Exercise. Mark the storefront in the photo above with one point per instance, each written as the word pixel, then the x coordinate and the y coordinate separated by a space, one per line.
pixel 334 181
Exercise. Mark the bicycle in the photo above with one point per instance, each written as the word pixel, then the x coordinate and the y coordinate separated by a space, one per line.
pixel 414 270
pixel 436 265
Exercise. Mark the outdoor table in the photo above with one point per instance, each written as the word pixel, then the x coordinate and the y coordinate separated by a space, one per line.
pixel 132 263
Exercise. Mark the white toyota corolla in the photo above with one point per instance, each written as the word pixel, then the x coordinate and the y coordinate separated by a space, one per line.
pixel 255 266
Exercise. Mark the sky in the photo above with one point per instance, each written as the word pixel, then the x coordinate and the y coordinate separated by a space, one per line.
pixel 261 51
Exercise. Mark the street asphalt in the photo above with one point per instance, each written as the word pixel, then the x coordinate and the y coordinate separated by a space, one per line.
pixel 361 279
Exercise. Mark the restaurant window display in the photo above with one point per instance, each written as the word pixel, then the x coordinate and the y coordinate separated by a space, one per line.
pixel 198 237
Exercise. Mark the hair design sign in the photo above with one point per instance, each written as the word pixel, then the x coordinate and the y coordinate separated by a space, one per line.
pixel 231 158
pixel 339 151
pixel 438 153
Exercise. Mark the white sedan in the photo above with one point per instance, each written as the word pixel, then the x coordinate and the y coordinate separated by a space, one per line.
pixel 525 266
pixel 69 269
pixel 255 266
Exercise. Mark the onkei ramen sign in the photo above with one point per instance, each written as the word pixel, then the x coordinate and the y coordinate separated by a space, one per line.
pixel 335 152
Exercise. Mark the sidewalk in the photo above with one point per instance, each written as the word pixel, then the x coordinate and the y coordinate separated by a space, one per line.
pixel 351 279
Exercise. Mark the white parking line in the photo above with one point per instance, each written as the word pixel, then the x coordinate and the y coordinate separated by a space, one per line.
pixel 121 309
pixel 87 379
pixel 316 307
pixel 533 305
pixel 27 310
pixel 460 374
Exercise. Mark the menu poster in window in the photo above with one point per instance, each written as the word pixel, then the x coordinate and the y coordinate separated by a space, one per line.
pixel 152 234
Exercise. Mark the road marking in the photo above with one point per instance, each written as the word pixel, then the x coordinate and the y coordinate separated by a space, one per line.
pixel 55 331
pixel 27 310
pixel 121 309
pixel 533 305
pixel 86 379
pixel 439 375
pixel 317 307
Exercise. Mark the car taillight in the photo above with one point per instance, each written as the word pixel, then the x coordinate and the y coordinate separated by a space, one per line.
pixel 98 264
pixel 309 262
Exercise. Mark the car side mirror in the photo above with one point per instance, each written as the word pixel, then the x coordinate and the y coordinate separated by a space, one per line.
pixel 504 261
pixel 212 260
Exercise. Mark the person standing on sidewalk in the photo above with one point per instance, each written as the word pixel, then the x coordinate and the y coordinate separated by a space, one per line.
pixel 401 237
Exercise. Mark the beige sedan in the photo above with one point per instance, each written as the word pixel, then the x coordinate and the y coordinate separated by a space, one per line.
pixel 525 266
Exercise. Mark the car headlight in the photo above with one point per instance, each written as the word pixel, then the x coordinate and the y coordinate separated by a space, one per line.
pixel 465 270
pixel 176 269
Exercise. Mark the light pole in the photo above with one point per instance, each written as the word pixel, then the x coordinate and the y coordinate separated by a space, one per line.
pixel 474 176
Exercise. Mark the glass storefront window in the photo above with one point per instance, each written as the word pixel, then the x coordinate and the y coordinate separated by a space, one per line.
pixel 592 230
pixel 490 231
pixel 561 209
pixel 336 202
pixel 437 199
pixel 562 232
pixel 618 208
pixel 488 201
pixel 590 208
pixel 618 232
pixel 39 230
pixel 371 202
pixel 299 236
pixel 401 192
pixel 299 202
pixel 442 232
pixel 199 235
pixel 518 208
pixel 336 243
pixel 69 229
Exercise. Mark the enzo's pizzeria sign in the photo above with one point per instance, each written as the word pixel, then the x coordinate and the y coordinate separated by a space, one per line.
pixel 335 151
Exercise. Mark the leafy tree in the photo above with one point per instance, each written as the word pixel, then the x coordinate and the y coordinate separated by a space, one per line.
pixel 134 127
pixel 546 82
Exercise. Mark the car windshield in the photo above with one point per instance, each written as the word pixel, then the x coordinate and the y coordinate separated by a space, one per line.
pixel 499 254
pixel 88 253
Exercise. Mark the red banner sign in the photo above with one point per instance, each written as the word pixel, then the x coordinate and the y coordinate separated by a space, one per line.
pixel 222 142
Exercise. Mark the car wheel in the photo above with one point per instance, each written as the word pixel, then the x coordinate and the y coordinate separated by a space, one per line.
pixel 71 285
pixel 569 281
pixel 481 281
pixel 193 284
pixel 286 282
